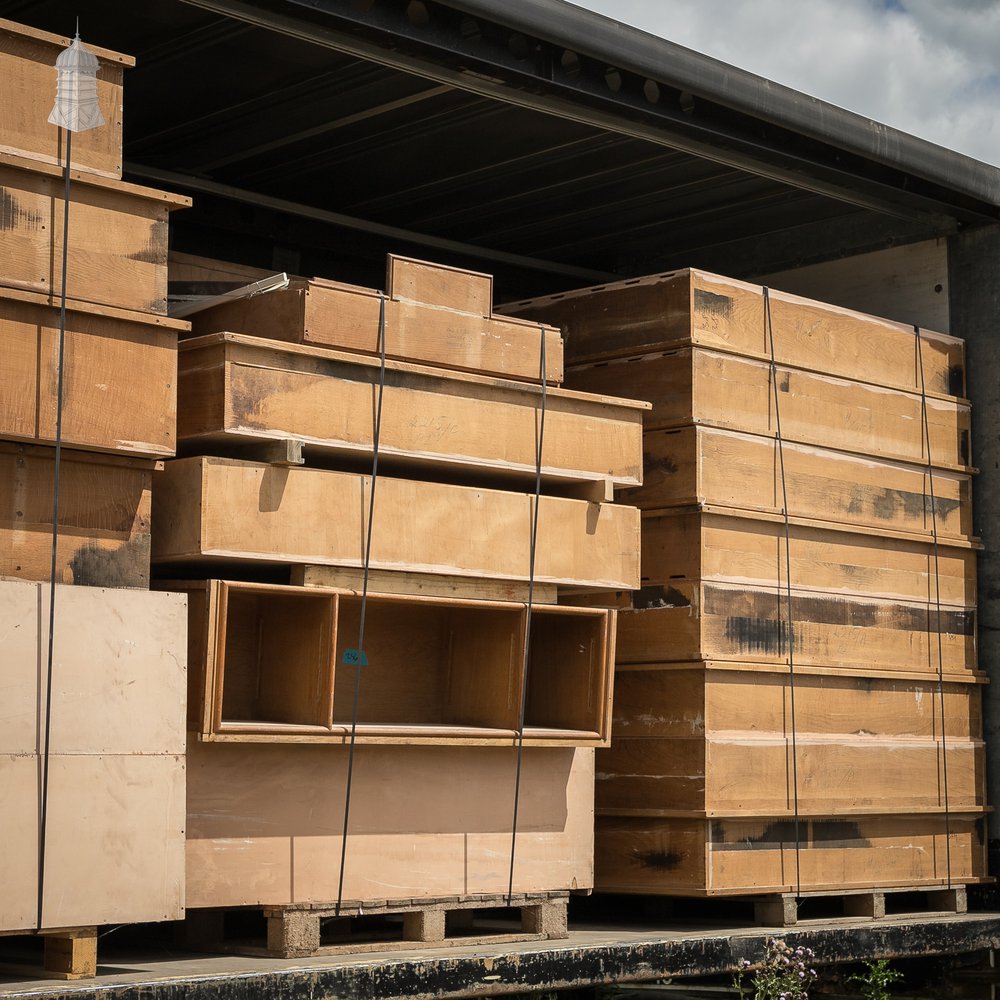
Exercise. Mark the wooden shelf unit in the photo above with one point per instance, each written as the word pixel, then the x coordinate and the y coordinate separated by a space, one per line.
pixel 268 665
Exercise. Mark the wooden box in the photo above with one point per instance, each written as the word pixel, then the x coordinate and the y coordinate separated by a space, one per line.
pixel 120 378
pixel 690 307
pixel 265 823
pixel 210 509
pixel 707 857
pixel 716 740
pixel 268 664
pixel 117 244
pixel 237 389
pixel 104 515
pixel 27 68
pixel 694 545
pixel 721 469
pixel 114 850
pixel 732 621
pixel 703 386
pixel 434 315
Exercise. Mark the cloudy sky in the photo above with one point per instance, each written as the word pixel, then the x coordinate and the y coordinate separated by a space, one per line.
pixel 930 67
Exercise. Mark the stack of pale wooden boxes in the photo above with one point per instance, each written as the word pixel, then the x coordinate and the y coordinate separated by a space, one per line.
pixel 264 523
pixel 113 849
pixel 699 792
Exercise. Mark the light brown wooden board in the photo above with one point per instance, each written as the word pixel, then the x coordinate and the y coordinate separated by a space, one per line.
pixel 236 388
pixel 117 236
pixel 722 390
pixel 27 68
pixel 690 857
pixel 264 823
pixel 702 465
pixel 717 621
pixel 210 508
pixel 115 828
pixel 418 326
pixel 120 376
pixel 104 517
pixel 747 774
pixel 663 311
pixel 692 545
pixel 268 664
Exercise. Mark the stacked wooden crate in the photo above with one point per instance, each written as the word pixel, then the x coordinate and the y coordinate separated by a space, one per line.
pixel 707 788
pixel 278 400
pixel 113 844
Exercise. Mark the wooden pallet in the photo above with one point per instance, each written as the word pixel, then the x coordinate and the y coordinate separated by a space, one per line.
pixel 786 909
pixel 374 925
pixel 66 953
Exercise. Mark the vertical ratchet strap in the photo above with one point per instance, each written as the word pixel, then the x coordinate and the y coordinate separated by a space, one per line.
pixel 769 332
pixel 359 653
pixel 937 601
pixel 527 624
pixel 43 807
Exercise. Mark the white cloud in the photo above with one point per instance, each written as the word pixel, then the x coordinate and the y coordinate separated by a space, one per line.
pixel 930 67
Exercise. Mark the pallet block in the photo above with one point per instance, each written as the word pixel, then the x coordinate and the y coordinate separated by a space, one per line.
pixel 120 376
pixel 729 470
pixel 211 509
pixel 27 67
pixel 724 621
pixel 115 830
pixel 265 823
pixel 689 307
pixel 269 664
pixel 699 385
pixel 118 236
pixel 236 389
pixel 695 545
pixel 707 857
pixel 104 517
pixel 434 315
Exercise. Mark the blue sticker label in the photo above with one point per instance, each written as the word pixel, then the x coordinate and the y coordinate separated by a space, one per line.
pixel 354 658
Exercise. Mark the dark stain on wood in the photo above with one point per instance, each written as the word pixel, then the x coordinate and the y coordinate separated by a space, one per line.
pixel 125 566
pixel 659 597
pixel 720 306
pixel 662 861
pixel 956 381
pixel 155 249
pixel 837 831
pixel 886 504
pixel 757 635
pixel 12 216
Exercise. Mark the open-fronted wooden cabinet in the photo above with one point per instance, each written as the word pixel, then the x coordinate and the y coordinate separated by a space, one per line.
pixel 276 664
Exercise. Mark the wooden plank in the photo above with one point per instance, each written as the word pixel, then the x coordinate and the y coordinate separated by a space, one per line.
pixel 115 839
pixel 210 509
pixel 742 472
pixel 270 662
pixel 692 545
pixel 424 824
pixel 120 378
pixel 346 317
pixel 235 388
pixel 421 584
pixel 437 285
pixel 697 385
pixel 664 311
pixel 27 67
pixel 667 856
pixel 118 236
pixel 747 774
pixel 104 517
pixel 71 956
pixel 708 621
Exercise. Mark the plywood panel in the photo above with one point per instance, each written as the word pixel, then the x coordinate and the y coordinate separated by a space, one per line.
pixel 426 823
pixel 104 515
pixel 27 67
pixel 221 508
pixel 118 236
pixel 448 329
pixel 663 311
pixel 115 843
pixel 120 376
pixel 237 388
